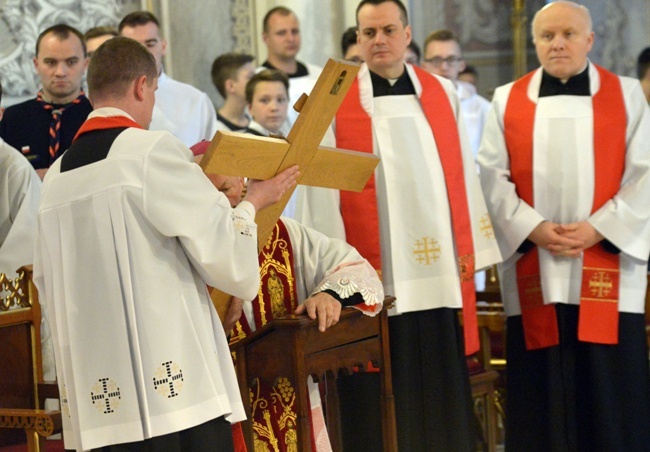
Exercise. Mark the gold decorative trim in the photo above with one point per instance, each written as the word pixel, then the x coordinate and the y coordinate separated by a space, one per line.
pixel 17 294
pixel 486 228
pixel 466 267
pixel 41 422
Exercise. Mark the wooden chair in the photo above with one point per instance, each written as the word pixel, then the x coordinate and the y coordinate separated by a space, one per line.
pixel 491 319
pixel 292 347
pixel 487 370
pixel 22 388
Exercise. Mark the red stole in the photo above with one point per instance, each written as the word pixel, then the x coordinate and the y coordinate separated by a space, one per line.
pixel 598 321
pixel 105 122
pixel 354 131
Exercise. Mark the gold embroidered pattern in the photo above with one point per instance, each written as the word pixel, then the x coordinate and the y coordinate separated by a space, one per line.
pixel 269 271
pixel 426 251
pixel 16 292
pixel 466 264
pixel 531 289
pixel 276 407
pixel 237 333
pixel 291 437
pixel 600 284
pixel 486 227
pixel 275 289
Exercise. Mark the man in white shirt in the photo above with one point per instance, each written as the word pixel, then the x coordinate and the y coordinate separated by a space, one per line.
pixel 281 34
pixel 180 108
pixel 124 250
pixel 565 172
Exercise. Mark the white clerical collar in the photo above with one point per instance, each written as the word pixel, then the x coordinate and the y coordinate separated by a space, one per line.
pixel 259 128
pixel 107 112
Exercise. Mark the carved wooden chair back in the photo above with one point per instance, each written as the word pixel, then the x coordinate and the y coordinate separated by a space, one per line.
pixel 22 387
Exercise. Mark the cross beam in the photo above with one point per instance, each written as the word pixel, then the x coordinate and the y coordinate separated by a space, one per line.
pixel 237 154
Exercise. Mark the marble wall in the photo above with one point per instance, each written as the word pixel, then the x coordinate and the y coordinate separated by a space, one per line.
pixel 199 30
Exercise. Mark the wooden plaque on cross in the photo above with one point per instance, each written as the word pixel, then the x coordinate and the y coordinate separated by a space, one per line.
pixel 239 154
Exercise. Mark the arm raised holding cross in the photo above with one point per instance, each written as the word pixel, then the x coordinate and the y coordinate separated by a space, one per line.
pixel 237 154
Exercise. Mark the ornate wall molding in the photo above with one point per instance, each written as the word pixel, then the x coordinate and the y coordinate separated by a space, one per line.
pixel 23 20
pixel 243 26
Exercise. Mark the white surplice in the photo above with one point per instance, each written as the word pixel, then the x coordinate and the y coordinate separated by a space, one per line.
pixel 474 109
pixel 297 87
pixel 124 249
pixel 419 261
pixel 563 191
pixel 184 111
pixel 20 193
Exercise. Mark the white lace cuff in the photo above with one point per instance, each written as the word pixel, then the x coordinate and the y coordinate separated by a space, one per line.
pixel 352 277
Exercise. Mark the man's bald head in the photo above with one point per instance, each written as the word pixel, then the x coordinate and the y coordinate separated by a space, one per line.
pixel 563 37
pixel 575 7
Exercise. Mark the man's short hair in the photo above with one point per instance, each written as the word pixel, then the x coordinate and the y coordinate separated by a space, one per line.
pixel 442 36
pixel 225 67
pixel 137 18
pixel 402 9
pixel 281 10
pixel 348 39
pixel 102 30
pixel 267 75
pixel 643 63
pixel 116 64
pixel 63 32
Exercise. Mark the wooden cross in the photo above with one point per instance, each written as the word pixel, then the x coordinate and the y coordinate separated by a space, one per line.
pixel 238 154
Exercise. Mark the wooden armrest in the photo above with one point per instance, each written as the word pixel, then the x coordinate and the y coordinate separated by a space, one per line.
pixel 45 423
pixel 48 390
pixel 302 320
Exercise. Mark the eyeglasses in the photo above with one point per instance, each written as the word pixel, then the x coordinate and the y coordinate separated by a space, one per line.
pixel 437 61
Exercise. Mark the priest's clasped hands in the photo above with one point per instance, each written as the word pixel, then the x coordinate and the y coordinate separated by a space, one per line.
pixel 566 240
